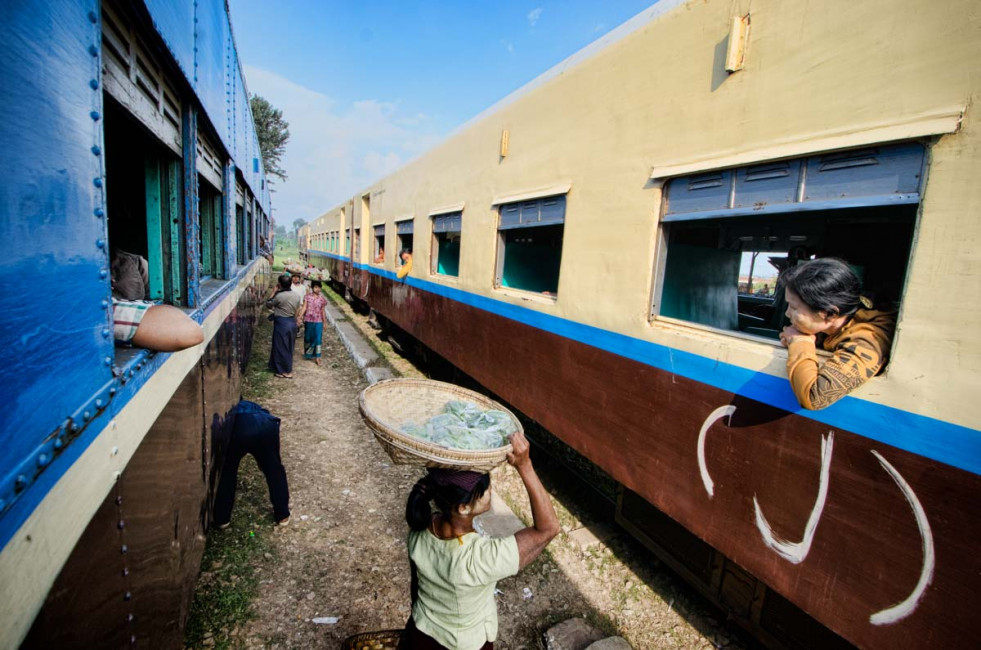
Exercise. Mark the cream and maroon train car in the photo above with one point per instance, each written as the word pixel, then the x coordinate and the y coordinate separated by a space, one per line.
pixel 579 248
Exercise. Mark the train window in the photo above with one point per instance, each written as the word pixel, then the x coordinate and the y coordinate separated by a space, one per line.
pixel 252 242
pixel 241 255
pixel 727 235
pixel 378 253
pixel 529 251
pixel 404 230
pixel 143 193
pixel 239 235
pixel 357 245
pixel 211 243
pixel 445 251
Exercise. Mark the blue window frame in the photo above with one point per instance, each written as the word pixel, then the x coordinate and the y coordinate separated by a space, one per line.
pixel 727 234
pixel 445 251
pixel 529 251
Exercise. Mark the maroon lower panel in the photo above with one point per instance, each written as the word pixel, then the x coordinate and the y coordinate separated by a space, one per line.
pixel 642 425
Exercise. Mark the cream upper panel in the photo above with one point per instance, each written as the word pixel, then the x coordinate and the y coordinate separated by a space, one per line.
pixel 659 97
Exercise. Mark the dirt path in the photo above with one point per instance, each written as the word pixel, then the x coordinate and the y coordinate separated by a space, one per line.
pixel 343 554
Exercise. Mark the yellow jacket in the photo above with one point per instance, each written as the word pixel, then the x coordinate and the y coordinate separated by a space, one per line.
pixel 859 351
pixel 405 269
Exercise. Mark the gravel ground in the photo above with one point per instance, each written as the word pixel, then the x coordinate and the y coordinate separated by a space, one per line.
pixel 343 554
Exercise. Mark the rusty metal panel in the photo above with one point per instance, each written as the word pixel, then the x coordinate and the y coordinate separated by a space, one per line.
pixel 131 575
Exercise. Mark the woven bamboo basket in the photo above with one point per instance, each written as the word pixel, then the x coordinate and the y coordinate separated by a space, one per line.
pixel 381 640
pixel 389 404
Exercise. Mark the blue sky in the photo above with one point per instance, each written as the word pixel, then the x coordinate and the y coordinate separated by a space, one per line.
pixel 367 86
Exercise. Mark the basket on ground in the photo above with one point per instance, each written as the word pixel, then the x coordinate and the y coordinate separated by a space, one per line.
pixel 388 405
pixel 381 640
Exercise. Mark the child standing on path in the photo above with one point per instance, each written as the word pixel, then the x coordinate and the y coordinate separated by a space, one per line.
pixel 313 310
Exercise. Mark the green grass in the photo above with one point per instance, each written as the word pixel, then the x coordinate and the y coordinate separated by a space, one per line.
pixel 229 583
pixel 225 595
pixel 284 249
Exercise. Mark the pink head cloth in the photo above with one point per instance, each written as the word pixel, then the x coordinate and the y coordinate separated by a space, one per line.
pixel 464 480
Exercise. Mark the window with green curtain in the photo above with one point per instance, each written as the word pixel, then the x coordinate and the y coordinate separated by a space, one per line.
pixel 212 241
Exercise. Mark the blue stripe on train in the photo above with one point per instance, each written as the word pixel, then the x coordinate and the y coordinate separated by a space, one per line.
pixel 945 442
pixel 143 365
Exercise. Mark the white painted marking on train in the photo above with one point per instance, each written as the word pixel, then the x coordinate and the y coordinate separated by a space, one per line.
pixel 795 552
pixel 905 608
pixel 717 414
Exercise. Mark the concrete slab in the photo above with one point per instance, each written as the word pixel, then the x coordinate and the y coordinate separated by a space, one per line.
pixel 334 313
pixel 362 353
pixel 499 521
pixel 375 375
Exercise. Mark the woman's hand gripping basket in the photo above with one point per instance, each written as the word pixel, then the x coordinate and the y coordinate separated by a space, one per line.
pixel 390 406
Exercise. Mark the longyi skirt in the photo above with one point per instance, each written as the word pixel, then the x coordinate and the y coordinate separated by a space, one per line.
pixel 283 340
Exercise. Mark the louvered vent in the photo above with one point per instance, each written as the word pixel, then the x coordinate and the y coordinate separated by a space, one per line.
pixel 132 76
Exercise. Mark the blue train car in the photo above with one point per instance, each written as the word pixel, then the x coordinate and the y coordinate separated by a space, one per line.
pixel 127 128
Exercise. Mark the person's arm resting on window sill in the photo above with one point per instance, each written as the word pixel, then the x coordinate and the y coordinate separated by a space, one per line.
pixel 856 358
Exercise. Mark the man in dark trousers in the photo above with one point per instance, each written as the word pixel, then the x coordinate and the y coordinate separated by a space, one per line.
pixel 253 431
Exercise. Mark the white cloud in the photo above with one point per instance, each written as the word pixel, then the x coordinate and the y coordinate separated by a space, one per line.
pixel 534 15
pixel 335 150
pixel 508 45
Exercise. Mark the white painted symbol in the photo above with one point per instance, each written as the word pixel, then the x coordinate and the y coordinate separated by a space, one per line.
pixel 902 610
pixel 717 414
pixel 795 552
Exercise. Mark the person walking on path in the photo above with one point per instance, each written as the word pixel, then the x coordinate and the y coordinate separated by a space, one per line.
pixel 312 312
pixel 284 304
pixel 254 430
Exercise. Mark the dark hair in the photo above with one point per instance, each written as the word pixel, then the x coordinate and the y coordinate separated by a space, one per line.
pixel 284 282
pixel 404 251
pixel 827 284
pixel 315 283
pixel 418 512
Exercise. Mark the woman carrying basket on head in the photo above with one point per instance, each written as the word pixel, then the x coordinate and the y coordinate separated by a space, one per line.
pixel 455 570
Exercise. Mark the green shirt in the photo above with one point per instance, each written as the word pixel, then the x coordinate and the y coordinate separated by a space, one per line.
pixel 457 577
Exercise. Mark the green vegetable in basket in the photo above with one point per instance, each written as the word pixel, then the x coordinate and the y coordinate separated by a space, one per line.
pixel 464 425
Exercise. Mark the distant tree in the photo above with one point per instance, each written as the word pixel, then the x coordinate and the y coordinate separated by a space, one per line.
pixel 273 133
pixel 280 232
pixel 298 223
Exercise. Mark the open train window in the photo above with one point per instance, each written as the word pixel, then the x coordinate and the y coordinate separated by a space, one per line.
pixel 404 231
pixel 357 245
pixel 211 243
pixel 241 255
pixel 240 251
pixel 143 196
pixel 529 249
pixel 727 234
pixel 211 213
pixel 378 252
pixel 445 255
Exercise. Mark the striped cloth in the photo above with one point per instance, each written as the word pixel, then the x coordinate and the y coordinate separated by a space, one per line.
pixel 126 316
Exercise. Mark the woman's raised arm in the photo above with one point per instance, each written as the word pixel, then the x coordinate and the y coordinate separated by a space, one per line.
pixel 545 526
